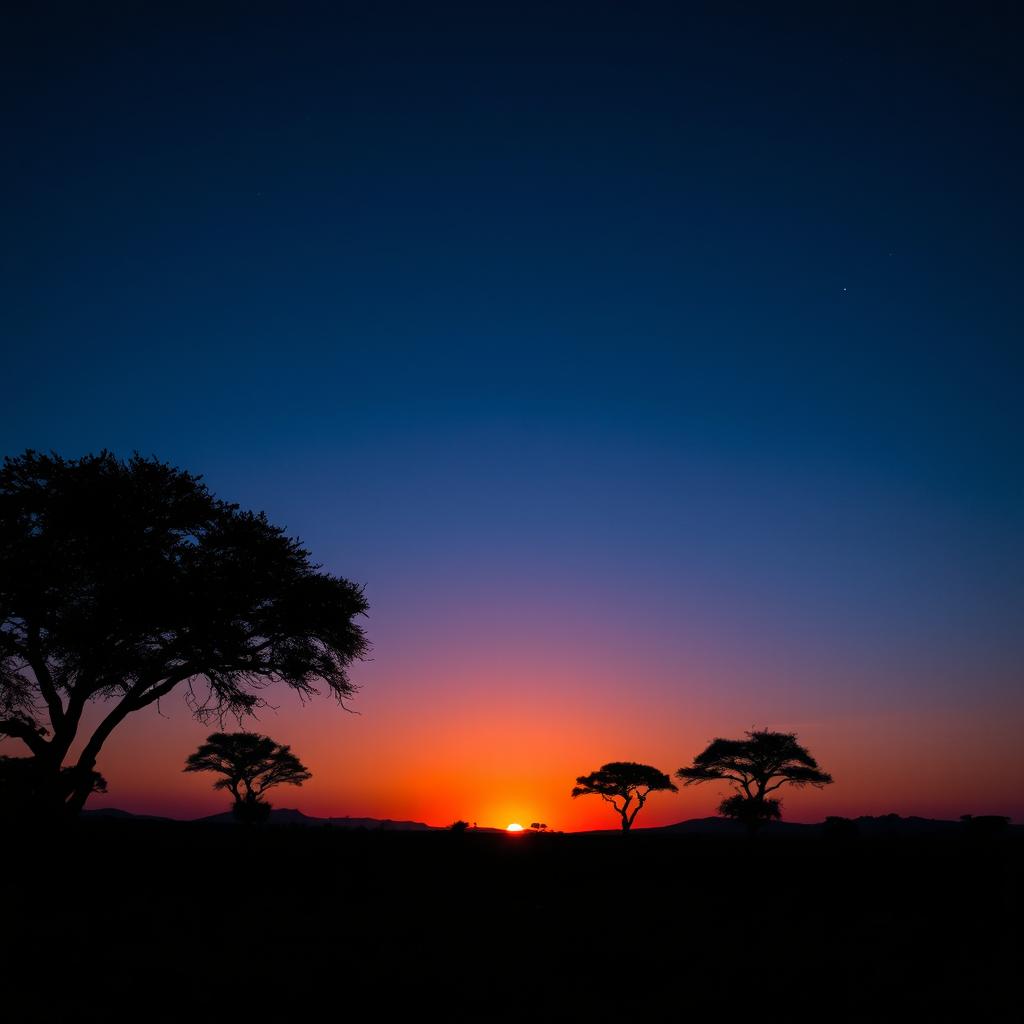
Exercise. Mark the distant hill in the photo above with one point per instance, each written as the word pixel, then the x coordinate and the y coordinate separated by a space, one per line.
pixel 291 816
pixel 729 827
pixel 278 816
pixel 866 825
pixel 894 824
pixel 119 815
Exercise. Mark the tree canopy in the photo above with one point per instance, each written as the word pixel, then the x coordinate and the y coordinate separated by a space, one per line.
pixel 124 580
pixel 250 765
pixel 755 767
pixel 625 785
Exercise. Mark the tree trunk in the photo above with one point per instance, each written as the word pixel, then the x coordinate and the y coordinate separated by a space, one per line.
pixel 251 810
pixel 84 777
pixel 83 787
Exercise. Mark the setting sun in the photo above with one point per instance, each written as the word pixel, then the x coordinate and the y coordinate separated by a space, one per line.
pixel 514 828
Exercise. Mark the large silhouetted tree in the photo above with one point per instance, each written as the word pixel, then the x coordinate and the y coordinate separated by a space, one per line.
pixel 625 785
pixel 121 581
pixel 755 767
pixel 250 765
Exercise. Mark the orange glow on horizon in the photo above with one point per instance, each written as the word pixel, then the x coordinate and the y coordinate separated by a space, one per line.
pixel 435 744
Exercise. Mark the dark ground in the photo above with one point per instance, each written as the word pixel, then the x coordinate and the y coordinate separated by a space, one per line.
pixel 186 922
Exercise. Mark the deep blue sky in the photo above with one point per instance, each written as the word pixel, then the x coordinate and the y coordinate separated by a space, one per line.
pixel 635 313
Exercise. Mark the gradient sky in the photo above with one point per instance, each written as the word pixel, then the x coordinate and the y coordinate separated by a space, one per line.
pixel 657 368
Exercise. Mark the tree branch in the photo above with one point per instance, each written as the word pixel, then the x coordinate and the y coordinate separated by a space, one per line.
pixel 162 689
pixel 132 701
pixel 24 729
pixel 44 678
pixel 642 799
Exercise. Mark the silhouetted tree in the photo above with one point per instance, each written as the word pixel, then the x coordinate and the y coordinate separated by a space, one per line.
pixel 755 767
pixel 458 826
pixel 621 783
pixel 121 581
pixel 251 764
pixel 539 826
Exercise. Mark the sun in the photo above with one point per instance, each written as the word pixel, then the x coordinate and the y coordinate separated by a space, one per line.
pixel 514 827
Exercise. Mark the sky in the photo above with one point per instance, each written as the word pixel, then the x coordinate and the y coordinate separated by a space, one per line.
pixel 656 368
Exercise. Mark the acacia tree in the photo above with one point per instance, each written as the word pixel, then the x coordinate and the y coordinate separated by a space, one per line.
pixel 620 783
pixel 755 767
pixel 251 764
pixel 122 581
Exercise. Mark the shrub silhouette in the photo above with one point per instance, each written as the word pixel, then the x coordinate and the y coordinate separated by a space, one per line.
pixel 840 829
pixel 985 826
pixel 752 813
pixel 22 784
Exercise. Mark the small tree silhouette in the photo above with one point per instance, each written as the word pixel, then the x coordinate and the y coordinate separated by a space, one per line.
pixel 985 826
pixel 458 826
pixel 624 781
pixel 251 764
pixel 755 767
